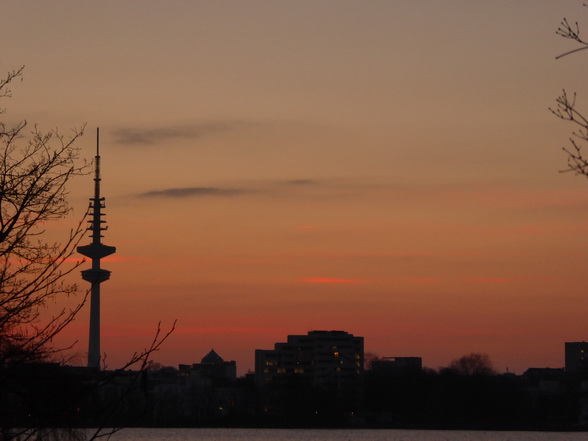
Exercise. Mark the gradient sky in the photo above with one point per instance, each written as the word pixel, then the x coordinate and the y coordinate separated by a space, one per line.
pixel 387 168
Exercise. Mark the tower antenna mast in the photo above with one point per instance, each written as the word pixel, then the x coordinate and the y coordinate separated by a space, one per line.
pixel 96 250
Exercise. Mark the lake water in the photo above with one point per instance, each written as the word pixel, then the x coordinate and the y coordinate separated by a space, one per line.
pixel 337 435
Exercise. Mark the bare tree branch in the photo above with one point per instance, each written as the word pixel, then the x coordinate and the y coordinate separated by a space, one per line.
pixel 566 108
pixel 35 169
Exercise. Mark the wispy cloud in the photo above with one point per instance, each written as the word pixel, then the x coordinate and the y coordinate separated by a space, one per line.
pixel 300 182
pixel 330 280
pixel 186 192
pixel 155 135
pixel 267 188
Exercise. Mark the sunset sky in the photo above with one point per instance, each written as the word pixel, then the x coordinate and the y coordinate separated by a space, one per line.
pixel 387 168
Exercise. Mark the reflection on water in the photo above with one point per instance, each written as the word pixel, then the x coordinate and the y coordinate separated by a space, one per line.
pixel 336 435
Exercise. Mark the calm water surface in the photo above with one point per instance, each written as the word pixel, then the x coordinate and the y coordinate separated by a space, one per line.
pixel 336 435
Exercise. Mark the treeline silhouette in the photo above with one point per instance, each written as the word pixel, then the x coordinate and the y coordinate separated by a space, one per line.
pixel 51 395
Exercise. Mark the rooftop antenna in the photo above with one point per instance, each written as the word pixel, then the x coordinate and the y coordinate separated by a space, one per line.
pixel 96 250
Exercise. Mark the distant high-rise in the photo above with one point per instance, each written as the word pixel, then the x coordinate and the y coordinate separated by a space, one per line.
pixel 96 250
pixel 312 378
pixel 321 358
pixel 576 357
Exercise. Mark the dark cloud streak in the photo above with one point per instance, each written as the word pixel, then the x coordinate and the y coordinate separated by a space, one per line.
pixel 264 188
pixel 301 182
pixel 192 192
pixel 150 136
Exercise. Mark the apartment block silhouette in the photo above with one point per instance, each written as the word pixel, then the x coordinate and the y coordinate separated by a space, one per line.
pixel 576 354
pixel 330 359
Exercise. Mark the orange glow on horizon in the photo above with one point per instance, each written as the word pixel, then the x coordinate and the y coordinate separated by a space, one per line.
pixel 223 330
pixel 308 227
pixel 489 279
pixel 420 280
pixel 334 188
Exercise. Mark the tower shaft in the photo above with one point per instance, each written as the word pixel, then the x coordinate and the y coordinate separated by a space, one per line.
pixel 96 250
pixel 94 338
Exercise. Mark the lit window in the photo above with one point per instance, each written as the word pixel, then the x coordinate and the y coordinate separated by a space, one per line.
pixel 338 369
pixel 281 371
pixel 336 354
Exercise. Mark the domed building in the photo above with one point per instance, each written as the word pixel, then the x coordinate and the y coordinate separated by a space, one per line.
pixel 212 358
pixel 212 367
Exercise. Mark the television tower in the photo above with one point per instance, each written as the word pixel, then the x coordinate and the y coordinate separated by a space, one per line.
pixel 96 251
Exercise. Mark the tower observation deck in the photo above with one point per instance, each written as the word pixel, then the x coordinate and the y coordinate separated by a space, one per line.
pixel 96 250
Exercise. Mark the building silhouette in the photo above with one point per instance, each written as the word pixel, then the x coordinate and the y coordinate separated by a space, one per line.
pixel 320 358
pixel 213 367
pixel 397 365
pixel 311 380
pixel 96 250
pixel 576 357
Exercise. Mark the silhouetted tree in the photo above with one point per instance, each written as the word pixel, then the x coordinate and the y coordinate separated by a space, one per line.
pixel 567 109
pixel 472 364
pixel 35 168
